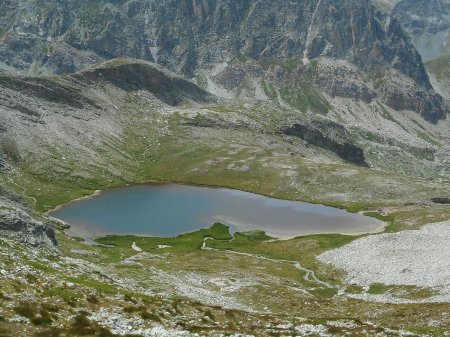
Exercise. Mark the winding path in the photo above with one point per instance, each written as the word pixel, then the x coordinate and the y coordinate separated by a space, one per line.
pixel 310 276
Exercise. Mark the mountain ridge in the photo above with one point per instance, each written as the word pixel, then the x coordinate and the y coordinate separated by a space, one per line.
pixel 202 39
pixel 184 46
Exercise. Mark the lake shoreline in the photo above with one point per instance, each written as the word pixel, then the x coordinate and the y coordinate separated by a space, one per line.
pixel 174 182
pixel 291 220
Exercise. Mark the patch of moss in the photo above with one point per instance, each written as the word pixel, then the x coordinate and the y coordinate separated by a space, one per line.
pixel 269 90
pixel 305 98
pixel 377 289
pixel 182 243
pixel 93 284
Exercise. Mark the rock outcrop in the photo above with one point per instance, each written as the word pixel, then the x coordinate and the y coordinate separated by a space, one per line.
pixel 16 224
pixel 133 75
pixel 336 142
pixel 441 200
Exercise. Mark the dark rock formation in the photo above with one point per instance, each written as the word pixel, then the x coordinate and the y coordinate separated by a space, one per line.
pixel 47 89
pixel 339 145
pixel 132 75
pixel 442 201
pixel 427 103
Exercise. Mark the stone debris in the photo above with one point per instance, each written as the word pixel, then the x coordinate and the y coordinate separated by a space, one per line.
pixel 419 258
pixel 312 330
pixel 121 325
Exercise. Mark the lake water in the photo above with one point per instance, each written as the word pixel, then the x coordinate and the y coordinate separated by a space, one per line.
pixel 168 210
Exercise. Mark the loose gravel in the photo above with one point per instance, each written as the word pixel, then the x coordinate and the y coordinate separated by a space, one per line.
pixel 417 257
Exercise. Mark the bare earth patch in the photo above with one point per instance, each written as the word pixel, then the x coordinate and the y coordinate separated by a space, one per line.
pixel 418 258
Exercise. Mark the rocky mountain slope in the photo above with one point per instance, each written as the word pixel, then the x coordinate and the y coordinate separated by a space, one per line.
pixel 189 35
pixel 200 39
pixel 17 224
pixel 322 101
pixel 94 129
pixel 333 82
pixel 428 23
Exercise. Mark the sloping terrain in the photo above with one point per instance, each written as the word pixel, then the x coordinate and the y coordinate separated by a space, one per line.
pixel 102 131
pixel 428 23
pixel 199 40
pixel 185 291
pixel 412 258
pixel 94 129
pixel 322 101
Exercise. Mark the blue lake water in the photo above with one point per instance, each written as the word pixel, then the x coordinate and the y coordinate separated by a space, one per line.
pixel 168 210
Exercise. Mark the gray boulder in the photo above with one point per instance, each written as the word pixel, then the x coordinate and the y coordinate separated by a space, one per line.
pixel 16 224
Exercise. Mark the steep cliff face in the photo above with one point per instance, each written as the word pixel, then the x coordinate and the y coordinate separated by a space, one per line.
pixel 352 30
pixel 186 35
pixel 193 37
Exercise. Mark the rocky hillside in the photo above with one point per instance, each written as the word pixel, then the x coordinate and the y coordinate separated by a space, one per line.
pixel 188 35
pixel 19 223
pixel 323 101
pixel 98 128
pixel 329 81
pixel 200 40
pixel 428 23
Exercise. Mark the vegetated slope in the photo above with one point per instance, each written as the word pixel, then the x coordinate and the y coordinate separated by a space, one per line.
pixel 63 136
pixel 200 39
pixel 340 71
pixel 298 102
pixel 439 70
pixel 428 23
pixel 183 290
